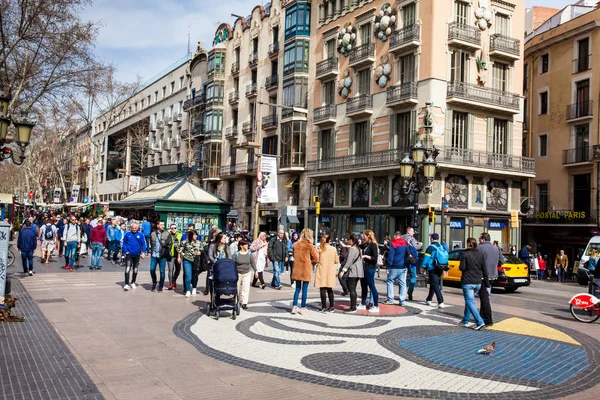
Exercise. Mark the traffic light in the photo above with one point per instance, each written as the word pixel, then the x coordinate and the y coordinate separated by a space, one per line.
pixel 431 215
pixel 315 199
pixel 318 207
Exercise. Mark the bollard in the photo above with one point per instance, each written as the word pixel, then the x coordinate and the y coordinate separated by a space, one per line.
pixel 4 238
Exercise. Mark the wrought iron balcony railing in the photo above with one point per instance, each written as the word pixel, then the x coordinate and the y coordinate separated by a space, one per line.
pixel 271 81
pixel 248 127
pixel 403 91
pixel 362 53
pixel 235 67
pixel 234 97
pixel 197 100
pixel 231 131
pixel 253 58
pixel 327 66
pixel 482 94
pixel 324 113
pixel 197 129
pixel 251 90
pixel 404 36
pixel 273 49
pixel 362 102
pixel 269 121
pixel 581 155
pixel 580 110
pixel 505 44
pixel 464 33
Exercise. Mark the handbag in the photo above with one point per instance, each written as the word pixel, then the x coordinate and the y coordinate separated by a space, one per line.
pixel 347 272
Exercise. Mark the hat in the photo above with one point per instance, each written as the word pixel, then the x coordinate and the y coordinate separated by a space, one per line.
pixel 435 236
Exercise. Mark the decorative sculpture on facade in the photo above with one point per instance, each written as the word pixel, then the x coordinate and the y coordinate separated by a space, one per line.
pixel 346 39
pixel 483 15
pixel 385 21
pixel 345 85
pixel 383 71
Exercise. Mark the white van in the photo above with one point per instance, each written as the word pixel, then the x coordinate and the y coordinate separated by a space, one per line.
pixel 582 272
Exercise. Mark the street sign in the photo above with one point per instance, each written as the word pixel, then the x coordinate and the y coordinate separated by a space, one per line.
pixel 258 192
pixel 259 176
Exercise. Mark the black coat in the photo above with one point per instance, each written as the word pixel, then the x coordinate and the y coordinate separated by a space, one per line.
pixel 472 265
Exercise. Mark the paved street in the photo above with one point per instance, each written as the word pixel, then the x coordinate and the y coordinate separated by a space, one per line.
pixel 139 344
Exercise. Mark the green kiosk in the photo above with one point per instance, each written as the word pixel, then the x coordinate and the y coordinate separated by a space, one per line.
pixel 180 202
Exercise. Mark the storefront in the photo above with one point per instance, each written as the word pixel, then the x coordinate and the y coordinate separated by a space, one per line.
pixel 268 220
pixel 181 203
pixel 6 206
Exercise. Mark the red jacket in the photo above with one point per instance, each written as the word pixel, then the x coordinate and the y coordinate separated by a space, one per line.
pixel 98 235
pixel 542 264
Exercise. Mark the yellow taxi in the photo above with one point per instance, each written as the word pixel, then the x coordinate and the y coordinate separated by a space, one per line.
pixel 511 275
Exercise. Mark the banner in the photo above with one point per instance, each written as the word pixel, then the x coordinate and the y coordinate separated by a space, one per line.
pixel 57 195
pixel 268 167
pixel 75 193
pixel 134 183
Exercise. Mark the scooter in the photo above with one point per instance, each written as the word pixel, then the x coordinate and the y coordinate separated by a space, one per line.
pixel 585 307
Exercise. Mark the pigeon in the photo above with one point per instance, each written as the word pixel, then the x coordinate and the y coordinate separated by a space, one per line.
pixel 487 349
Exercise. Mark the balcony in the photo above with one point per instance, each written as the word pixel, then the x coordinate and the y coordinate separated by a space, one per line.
pixel 247 168
pixel 402 94
pixel 248 128
pixel 227 170
pixel 271 82
pixel 249 141
pixel 197 101
pixel 482 97
pixel 213 134
pixel 288 113
pixel 505 47
pixel 274 49
pixel 464 36
pixel 581 155
pixel 325 115
pixel 405 38
pixel 579 111
pixel 448 157
pixel 197 130
pixel 359 106
pixel 253 59
pixel 362 55
pixel 231 133
pixel 327 69
pixel 235 68
pixel 269 122
pixel 216 73
pixel 251 90
pixel 582 64
pixel 234 98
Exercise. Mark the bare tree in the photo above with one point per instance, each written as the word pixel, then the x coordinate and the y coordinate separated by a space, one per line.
pixel 135 144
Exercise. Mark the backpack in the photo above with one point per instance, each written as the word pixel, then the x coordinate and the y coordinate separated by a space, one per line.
pixel 48 232
pixel 410 256
pixel 440 258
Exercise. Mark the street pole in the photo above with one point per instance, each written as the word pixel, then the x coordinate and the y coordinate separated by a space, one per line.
pixel 258 157
pixel 4 238
pixel 443 235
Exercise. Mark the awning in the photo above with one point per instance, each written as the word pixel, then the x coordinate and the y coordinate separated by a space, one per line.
pixel 6 198
pixel 290 182
pixel 233 214
pixel 292 219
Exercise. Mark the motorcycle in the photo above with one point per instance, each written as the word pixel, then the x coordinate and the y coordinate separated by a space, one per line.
pixel 585 307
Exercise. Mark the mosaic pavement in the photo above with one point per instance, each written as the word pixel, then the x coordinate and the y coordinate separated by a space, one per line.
pixel 418 351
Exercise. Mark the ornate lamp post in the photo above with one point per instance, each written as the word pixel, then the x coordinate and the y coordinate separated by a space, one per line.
pixel 22 132
pixel 418 171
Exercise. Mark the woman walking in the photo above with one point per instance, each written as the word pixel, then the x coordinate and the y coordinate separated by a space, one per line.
pixel 471 266
pixel 369 257
pixel 218 249
pixel 305 256
pixel 259 253
pixel 355 269
pixel 326 272
pixel 246 270
pixel 541 266
pixel 293 239
pixel 189 249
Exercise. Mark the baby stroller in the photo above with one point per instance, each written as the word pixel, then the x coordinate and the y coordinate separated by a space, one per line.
pixel 223 288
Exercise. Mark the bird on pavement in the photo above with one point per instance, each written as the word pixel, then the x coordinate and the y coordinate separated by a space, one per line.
pixel 487 349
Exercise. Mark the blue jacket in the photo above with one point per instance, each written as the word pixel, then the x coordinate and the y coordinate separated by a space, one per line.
pixel 524 255
pixel 61 227
pixel 146 228
pixel 118 235
pixel 27 240
pixel 110 233
pixel 427 263
pixel 134 243
pixel 397 253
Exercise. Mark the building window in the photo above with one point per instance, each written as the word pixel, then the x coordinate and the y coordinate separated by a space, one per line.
pixel 297 20
pixel 543 146
pixel 156 96
pixel 545 63
pixel 270 145
pixel 142 105
pixel 212 160
pixel 295 92
pixel 500 76
pixel 164 92
pixel 181 79
pixel 331 48
pixel 582 138
pixel 215 91
pixel 409 14
pixel 461 12
pixel 402 130
pixel 542 190
pixel 460 133
pixel 249 192
pixel 328 93
pixel 295 58
pixel 361 138
pixel 525 77
pixel 500 136
pixel 502 24
pixel 275 34
pixel 406 68
pixel 364 81
pixel 172 87
pixel 326 146
pixel 458 66
pixel 293 144
pixel 148 100
pixel 180 107
pixel 213 121
pixel 216 62
pixel 544 103
pixel 583 51
pixel 365 34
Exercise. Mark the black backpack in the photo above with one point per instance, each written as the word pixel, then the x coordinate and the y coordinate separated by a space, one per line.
pixel 49 232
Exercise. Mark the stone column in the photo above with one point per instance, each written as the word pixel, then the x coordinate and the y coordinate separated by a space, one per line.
pixel 321 13
pixel 330 9
pixel 338 8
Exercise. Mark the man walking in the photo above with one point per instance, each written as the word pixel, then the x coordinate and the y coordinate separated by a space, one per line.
pixel 561 263
pixel 409 238
pixel 111 231
pixel 491 257
pixel 26 244
pixel 60 226
pixel 174 267
pixel 396 269
pixel 435 274
pixel 71 239
pixel 87 228
pixel 146 230
pixel 48 238
pixel 117 243
pixel 134 247
pixel 98 240
pixel 278 254
pixel 159 250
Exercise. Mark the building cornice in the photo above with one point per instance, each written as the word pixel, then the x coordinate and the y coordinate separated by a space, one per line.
pixel 549 42
pixel 332 31
pixel 366 15
pixel 504 3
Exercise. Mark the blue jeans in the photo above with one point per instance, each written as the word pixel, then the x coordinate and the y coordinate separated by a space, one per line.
pixel 147 238
pixel 304 286
pixel 162 263
pixel 540 274
pixel 469 291
pixel 27 259
pixel 434 286
pixel 97 251
pixel 560 274
pixel 412 270
pixel 370 280
pixel 113 248
pixel 187 274
pixel 396 275
pixel 70 252
pixel 277 269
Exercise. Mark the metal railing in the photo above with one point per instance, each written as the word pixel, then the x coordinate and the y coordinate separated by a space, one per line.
pixel 193 102
pixel 402 36
pixel 234 97
pixel 403 91
pixel 197 128
pixel 251 90
pixel 231 131
pixel 326 66
pixel 580 110
pixel 235 67
pixel 362 52
pixel 271 81
pixel 360 103
pixel 481 94
pixel 358 161
pixel 583 63
pixel 248 127
pixel 580 155
pixel 253 58
pixel 464 33
pixel 269 121
pixel 292 160
pixel 211 171
pixel 324 113
pixel 227 170
pixel 273 49
pixel 505 44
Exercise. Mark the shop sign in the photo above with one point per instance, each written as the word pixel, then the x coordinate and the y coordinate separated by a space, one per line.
pixel 268 213
pixel 359 220
pixel 326 220
pixel 457 224
pixel 496 224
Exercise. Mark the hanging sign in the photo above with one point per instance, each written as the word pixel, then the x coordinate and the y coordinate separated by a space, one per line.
pixel 268 167
pixel 57 195
pixel 75 193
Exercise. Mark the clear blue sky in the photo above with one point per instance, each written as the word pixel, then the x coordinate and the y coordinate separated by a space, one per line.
pixel 142 37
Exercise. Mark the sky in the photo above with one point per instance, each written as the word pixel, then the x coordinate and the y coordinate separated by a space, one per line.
pixel 143 37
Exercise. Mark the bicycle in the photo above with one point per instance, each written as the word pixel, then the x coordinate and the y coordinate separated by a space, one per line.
pixel 585 307
pixel 11 256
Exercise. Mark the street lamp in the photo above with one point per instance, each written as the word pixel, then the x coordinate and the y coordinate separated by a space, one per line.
pixel 23 127
pixel 418 168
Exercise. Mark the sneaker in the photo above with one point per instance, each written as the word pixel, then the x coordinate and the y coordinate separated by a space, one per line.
pixel 91 268
pixel 466 325
pixel 441 305
pixel 263 286
pixel 479 327
pixel 154 287
pixel 170 287
pixel 71 269
pixel 31 273
pixel 279 287
pixel 361 307
pixel 98 268
pixel 193 291
pixel 160 289
pixel 294 310
pixel 428 302
pixel 174 285
pixel 126 287
pixel 323 310
pixel 293 286
pixel 205 293
pixel 187 294
pixel 303 311
pixel 350 311
pixel 331 310
pixel 133 285
pixel 374 309
pixel 245 306
pixel 388 302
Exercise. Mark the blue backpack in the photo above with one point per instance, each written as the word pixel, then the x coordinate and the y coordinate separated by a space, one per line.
pixel 440 258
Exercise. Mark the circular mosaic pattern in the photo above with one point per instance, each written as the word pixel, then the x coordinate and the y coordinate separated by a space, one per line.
pixel 349 363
